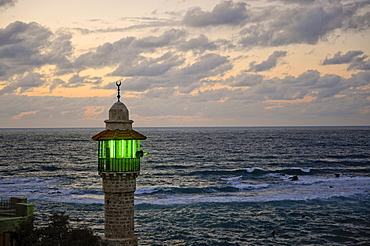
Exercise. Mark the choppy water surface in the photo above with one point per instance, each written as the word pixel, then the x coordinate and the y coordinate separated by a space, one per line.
pixel 207 186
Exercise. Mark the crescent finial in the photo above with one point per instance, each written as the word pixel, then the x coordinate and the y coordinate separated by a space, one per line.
pixel 118 83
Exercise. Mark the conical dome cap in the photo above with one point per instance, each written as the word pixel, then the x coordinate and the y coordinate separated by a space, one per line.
pixel 118 118
pixel 118 111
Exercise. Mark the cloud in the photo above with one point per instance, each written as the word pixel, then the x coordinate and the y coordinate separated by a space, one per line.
pixel 338 58
pixel 17 117
pixel 355 59
pixel 359 63
pixel 245 79
pixel 304 2
pixel 309 83
pixel 126 51
pixel 24 47
pixel 186 77
pixel 149 66
pixel 145 23
pixel 43 111
pixel 78 81
pixel 301 24
pixel 305 96
pixel 55 84
pixel 25 83
pixel 290 100
pixel 20 39
pixel 168 37
pixel 163 93
pixel 207 65
pixel 359 22
pixel 200 44
pixel 225 13
pixel 175 72
pixel 270 63
pixel 7 3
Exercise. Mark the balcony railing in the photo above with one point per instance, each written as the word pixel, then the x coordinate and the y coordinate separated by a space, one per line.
pixel 118 164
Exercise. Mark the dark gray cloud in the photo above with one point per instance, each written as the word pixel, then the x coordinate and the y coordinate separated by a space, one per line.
pixel 245 79
pixel 207 65
pixel 169 37
pixel 225 13
pixel 355 58
pixel 304 2
pixel 26 83
pixel 7 3
pixel 338 58
pixel 55 84
pixel 270 63
pixel 126 51
pixel 162 93
pixel 3 69
pixel 360 22
pixel 309 83
pixel 79 81
pixel 26 46
pixel 186 78
pixel 301 24
pixel 359 63
pixel 75 81
pixel 149 66
pixel 199 44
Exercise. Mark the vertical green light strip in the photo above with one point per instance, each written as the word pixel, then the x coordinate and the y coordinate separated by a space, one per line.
pixel 133 153
pixel 129 151
pixel 118 148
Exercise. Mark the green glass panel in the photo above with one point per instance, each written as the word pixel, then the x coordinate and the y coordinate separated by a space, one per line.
pixel 127 148
pixel 118 148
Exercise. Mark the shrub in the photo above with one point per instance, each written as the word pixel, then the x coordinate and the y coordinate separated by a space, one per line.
pixel 59 232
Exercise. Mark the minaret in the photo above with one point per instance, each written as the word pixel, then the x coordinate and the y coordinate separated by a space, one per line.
pixel 118 166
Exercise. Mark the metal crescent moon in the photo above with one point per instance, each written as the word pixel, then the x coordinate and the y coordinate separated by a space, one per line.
pixel 118 83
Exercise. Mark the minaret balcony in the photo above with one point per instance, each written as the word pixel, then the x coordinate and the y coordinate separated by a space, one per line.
pixel 118 164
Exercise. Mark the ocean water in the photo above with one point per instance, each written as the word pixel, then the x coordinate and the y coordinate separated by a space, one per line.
pixel 207 186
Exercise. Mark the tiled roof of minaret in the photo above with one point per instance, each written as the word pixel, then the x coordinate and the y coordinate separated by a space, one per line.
pixel 118 135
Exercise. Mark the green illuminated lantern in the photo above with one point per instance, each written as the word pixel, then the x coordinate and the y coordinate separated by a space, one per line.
pixel 119 145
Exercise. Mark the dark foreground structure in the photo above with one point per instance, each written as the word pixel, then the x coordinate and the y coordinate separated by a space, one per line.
pixel 13 210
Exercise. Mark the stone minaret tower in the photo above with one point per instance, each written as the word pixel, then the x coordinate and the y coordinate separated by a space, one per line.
pixel 119 166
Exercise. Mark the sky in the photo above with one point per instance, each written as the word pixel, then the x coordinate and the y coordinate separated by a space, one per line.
pixel 185 63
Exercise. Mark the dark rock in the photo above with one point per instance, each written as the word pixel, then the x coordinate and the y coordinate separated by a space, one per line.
pixel 294 178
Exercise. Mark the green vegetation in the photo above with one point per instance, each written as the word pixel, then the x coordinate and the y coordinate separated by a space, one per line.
pixel 58 232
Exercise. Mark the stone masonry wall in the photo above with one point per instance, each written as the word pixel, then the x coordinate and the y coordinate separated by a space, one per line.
pixel 119 207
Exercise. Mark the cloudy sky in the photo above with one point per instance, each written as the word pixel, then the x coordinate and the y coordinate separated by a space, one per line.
pixel 185 62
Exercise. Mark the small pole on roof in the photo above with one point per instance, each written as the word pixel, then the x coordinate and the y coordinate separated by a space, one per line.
pixel 118 83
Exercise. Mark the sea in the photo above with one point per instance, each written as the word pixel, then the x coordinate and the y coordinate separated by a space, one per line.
pixel 206 186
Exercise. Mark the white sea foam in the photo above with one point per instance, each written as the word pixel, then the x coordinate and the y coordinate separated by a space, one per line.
pixel 245 186
pixel 306 170
pixel 333 187
pixel 150 190
pixel 305 188
pixel 232 178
